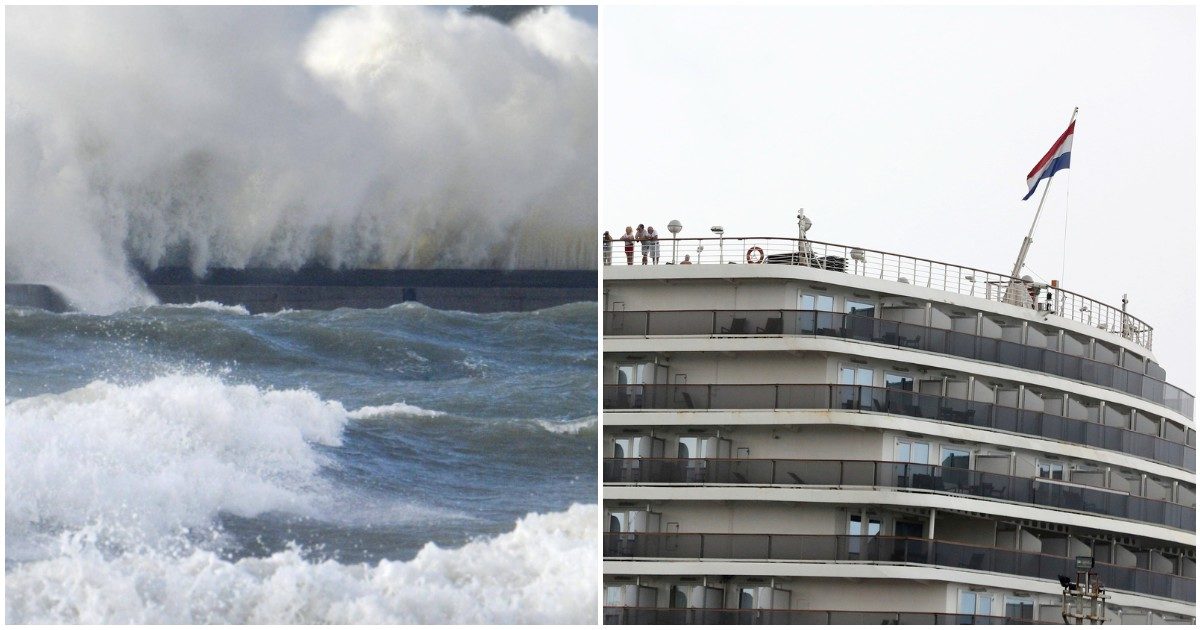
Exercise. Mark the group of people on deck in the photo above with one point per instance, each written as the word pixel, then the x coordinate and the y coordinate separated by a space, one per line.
pixel 644 235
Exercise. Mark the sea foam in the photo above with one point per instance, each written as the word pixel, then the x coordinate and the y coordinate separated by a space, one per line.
pixel 543 571
pixel 170 453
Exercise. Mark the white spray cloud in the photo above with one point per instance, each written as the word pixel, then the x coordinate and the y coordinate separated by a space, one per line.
pixel 381 136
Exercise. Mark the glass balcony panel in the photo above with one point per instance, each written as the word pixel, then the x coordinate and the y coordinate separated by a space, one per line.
pixel 1033 358
pixel 681 323
pixel 749 546
pixel 805 396
pixel 900 402
pixel 889 549
pixel 1009 353
pixel 960 344
pixel 742 396
pixel 618 323
pixel 897 334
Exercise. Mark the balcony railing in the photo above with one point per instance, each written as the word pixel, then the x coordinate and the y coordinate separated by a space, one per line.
pixel 905 269
pixel 629 615
pixel 954 481
pixel 722 323
pixel 905 550
pixel 904 403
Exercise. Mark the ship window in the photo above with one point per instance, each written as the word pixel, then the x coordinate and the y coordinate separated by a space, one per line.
pixel 912 452
pixel 612 596
pixel 1050 470
pixel 746 598
pixel 955 457
pixel 1018 607
pixel 856 376
pixel 851 375
pixel 898 381
pixel 861 309
pixel 678 597
pixel 693 447
pixel 854 545
pixel 625 374
pixel 816 302
pixel 627 447
pixel 855 528
pixel 616 522
pixel 966 602
pixel 971 603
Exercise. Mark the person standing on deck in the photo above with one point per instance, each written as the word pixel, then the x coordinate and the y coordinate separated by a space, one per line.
pixel 629 238
pixel 641 237
pixel 652 239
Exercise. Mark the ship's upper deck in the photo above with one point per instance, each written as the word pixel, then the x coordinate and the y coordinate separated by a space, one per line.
pixel 957 279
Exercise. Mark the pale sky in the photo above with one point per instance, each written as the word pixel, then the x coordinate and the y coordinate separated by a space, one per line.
pixel 911 130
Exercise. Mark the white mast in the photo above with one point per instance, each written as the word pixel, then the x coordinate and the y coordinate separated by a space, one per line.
pixel 1017 293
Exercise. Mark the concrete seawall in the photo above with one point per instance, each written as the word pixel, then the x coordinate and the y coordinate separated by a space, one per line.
pixel 476 290
pixel 268 290
pixel 34 296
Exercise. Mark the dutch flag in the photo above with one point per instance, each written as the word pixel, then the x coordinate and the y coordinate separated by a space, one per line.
pixel 1055 160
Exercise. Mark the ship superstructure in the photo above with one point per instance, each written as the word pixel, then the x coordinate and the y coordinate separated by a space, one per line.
pixel 805 432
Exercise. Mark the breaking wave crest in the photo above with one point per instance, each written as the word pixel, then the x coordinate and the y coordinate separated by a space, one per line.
pixel 114 494
pixel 540 572
pixel 155 458
pixel 394 409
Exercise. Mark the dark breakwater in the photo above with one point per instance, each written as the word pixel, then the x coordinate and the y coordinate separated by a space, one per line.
pixel 472 290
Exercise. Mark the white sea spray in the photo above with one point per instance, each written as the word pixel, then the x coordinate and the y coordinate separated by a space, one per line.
pixel 540 572
pixel 267 136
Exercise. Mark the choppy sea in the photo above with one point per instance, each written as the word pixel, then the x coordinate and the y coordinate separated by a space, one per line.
pixel 198 464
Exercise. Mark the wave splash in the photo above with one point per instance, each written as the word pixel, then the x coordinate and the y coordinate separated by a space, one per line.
pixel 113 494
pixel 153 459
pixel 541 572
pixel 355 137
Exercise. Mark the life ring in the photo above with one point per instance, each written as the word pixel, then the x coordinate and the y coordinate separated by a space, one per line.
pixel 755 255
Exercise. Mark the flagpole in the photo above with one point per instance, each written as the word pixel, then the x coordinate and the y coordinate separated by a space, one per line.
pixel 1029 237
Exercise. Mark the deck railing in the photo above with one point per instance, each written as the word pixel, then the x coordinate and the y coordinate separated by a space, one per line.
pixel 831 473
pixel 643 615
pixel 904 403
pixel 897 549
pixel 897 268
pixel 738 323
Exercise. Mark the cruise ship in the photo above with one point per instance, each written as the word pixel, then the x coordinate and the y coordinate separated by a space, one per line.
pixel 812 433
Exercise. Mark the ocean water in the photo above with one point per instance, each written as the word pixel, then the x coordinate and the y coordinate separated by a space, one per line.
pixel 197 464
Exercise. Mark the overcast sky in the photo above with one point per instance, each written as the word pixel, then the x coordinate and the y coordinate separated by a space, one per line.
pixel 912 130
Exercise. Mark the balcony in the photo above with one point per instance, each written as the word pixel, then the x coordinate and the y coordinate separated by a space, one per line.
pixel 888 549
pixel 721 323
pixel 910 270
pixel 629 615
pixel 902 475
pixel 904 403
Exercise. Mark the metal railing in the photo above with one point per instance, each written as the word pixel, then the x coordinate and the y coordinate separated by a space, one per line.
pixel 641 615
pixel 721 323
pixel 897 549
pixel 903 403
pixel 897 268
pixel 879 474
